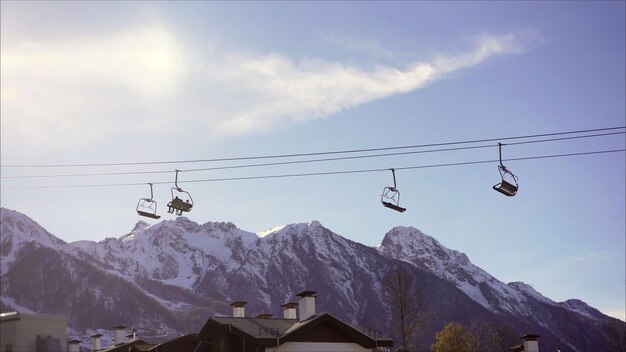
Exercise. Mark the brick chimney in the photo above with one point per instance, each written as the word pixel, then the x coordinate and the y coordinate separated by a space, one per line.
pixel 73 346
pixel 306 304
pixel 238 309
pixel 530 343
pixel 96 342
pixel 120 333
pixel 289 310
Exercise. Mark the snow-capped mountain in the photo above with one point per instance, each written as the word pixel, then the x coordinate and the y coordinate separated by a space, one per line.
pixel 412 246
pixel 177 253
pixel 166 279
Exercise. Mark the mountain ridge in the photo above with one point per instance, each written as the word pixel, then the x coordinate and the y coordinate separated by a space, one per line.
pixel 190 270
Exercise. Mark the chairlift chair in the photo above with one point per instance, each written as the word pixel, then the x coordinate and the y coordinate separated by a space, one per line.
pixel 391 196
pixel 147 206
pixel 508 188
pixel 181 204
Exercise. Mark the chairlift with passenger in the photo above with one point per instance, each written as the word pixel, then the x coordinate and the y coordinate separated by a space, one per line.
pixel 508 184
pixel 181 200
pixel 391 196
pixel 147 206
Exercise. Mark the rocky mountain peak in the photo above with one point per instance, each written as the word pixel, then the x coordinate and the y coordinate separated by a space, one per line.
pixel 312 228
pixel 187 224
pixel 411 244
pixel 21 228
pixel 140 225
pixel 407 236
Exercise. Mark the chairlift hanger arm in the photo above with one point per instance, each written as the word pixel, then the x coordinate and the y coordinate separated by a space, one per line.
pixel 176 180
pixel 500 154
pixel 393 172
pixel 151 192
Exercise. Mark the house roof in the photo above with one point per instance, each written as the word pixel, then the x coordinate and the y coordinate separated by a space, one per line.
pixel 185 343
pixel 275 331
pixel 133 346
pixel 258 327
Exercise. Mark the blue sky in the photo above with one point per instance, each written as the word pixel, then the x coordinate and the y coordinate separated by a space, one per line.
pixel 114 82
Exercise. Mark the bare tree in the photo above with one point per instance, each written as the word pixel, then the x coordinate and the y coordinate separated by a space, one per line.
pixel 407 304
pixel 491 336
pixel 483 331
pixel 504 336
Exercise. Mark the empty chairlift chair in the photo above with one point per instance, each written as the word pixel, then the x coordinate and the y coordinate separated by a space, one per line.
pixel 181 200
pixel 147 206
pixel 508 184
pixel 391 196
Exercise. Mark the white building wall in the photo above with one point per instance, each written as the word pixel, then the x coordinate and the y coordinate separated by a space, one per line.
pixel 9 337
pixel 22 330
pixel 318 347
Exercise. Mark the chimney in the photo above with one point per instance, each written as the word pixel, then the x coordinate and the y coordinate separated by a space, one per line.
pixel 96 342
pixel 238 309
pixel 120 333
pixel 73 346
pixel 132 336
pixel 289 310
pixel 530 343
pixel 306 305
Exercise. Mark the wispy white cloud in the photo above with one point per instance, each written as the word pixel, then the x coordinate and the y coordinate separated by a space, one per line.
pixel 68 94
pixel 308 90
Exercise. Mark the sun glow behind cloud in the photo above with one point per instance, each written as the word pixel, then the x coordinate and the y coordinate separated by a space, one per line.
pixel 61 95
pixel 73 93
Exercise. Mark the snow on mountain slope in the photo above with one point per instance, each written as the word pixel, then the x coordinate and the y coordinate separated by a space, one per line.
pixel 17 229
pixel 290 250
pixel 292 258
pixel 175 252
pixel 181 267
pixel 411 245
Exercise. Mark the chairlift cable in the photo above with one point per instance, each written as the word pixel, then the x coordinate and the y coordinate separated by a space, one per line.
pixel 314 153
pixel 328 172
pixel 311 160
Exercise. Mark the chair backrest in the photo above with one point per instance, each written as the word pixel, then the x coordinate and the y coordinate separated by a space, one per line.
pixel 509 187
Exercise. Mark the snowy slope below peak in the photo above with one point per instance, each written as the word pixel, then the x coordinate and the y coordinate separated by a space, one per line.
pixel 23 229
pixel 17 229
pixel 411 245
pixel 288 258
pixel 582 308
pixel 176 252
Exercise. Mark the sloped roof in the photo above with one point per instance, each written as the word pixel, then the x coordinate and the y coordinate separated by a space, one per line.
pixel 133 346
pixel 259 327
pixel 275 331
pixel 185 343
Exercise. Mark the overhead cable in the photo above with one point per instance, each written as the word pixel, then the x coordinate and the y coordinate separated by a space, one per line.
pixel 328 172
pixel 311 160
pixel 314 153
